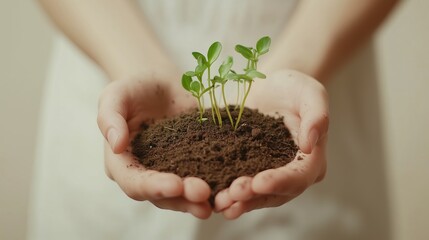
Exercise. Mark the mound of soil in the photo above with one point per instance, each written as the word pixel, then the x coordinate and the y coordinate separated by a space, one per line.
pixel 185 147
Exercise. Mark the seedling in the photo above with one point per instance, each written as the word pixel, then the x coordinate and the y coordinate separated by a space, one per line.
pixel 222 79
pixel 198 89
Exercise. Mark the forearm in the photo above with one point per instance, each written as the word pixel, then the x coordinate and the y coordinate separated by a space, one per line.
pixel 111 32
pixel 322 34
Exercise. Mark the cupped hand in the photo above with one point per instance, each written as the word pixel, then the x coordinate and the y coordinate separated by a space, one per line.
pixel 303 103
pixel 123 106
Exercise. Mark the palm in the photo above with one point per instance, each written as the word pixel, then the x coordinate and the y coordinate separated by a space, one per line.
pixel 155 100
pixel 302 102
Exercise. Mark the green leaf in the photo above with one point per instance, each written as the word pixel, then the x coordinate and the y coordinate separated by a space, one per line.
pixel 245 77
pixel 198 55
pixel 201 61
pixel 214 52
pixel 255 74
pixel 186 82
pixel 218 79
pixel 232 75
pixel 190 74
pixel 245 51
pixel 199 70
pixel 225 67
pixel 263 45
pixel 195 87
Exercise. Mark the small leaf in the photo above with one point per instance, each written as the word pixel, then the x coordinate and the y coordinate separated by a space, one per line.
pixel 263 45
pixel 232 75
pixel 195 87
pixel 225 67
pixel 190 74
pixel 199 70
pixel 198 55
pixel 214 52
pixel 229 60
pixel 186 82
pixel 218 79
pixel 200 60
pixel 255 74
pixel 245 77
pixel 245 51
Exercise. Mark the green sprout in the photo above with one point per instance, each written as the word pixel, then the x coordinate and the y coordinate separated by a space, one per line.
pixel 222 79
pixel 198 89
pixel 252 55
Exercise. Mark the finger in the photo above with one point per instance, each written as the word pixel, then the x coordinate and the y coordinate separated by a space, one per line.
pixel 199 210
pixel 112 115
pixel 196 190
pixel 238 208
pixel 293 178
pixel 314 114
pixel 284 181
pixel 223 200
pixel 138 183
pixel 241 189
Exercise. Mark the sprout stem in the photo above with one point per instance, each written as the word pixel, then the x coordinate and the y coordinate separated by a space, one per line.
pixel 242 106
pixel 244 88
pixel 238 95
pixel 255 62
pixel 226 105
pixel 202 90
pixel 201 109
pixel 211 95
pixel 219 118
pixel 214 102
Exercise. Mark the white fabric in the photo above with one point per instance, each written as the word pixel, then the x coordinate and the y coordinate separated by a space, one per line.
pixel 73 199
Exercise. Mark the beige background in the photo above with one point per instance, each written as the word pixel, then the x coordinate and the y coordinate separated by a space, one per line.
pixel 403 63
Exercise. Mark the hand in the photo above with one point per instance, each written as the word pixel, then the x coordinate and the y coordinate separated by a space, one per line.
pixel 123 106
pixel 303 102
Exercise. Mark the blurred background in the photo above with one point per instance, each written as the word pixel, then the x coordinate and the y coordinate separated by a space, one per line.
pixel 403 66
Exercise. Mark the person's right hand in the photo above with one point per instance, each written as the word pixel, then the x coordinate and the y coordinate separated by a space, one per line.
pixel 303 103
pixel 123 106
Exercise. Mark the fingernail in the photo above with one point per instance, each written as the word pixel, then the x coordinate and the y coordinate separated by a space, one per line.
pixel 313 137
pixel 112 138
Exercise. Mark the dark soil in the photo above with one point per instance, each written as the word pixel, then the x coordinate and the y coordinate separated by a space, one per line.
pixel 183 146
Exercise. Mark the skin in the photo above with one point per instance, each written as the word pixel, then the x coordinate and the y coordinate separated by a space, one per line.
pixel 320 36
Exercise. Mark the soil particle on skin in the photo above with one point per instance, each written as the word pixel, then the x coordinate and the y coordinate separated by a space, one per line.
pixel 183 146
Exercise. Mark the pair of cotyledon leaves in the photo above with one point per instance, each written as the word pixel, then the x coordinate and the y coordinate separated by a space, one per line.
pixel 262 47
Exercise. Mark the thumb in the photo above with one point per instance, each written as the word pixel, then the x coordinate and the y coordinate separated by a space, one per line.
pixel 112 115
pixel 314 114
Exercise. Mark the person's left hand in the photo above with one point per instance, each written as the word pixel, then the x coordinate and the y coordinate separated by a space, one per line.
pixel 303 103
